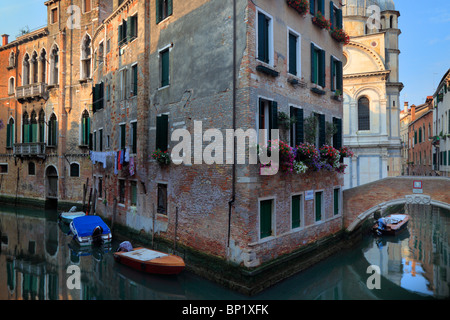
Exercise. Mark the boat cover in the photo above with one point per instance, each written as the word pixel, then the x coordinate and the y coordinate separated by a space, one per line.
pixel 85 225
pixel 144 254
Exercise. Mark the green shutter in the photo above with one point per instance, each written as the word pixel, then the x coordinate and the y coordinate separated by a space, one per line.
pixel 336 201
pixel 291 129
pixel 135 80
pixel 299 131
pixel 318 206
pixel 8 136
pixel 169 7
pixel 263 38
pixel 34 132
pixel 322 68
pixel 296 211
pixel 333 65
pixel 339 76
pixel 130 29
pixel 134 126
pixel 162 132
pixel 119 37
pixel 292 54
pixel 274 115
pixel 322 6
pixel 158 11
pixel 124 31
pixel 312 7
pixel 322 137
pixel 339 19
pixel 26 133
pixel 165 68
pixel 332 15
pixel 133 33
pixel 265 217
pixel 122 136
pixel 337 138
pixel 313 63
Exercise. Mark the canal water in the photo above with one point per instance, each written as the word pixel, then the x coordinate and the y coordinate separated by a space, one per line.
pixel 36 254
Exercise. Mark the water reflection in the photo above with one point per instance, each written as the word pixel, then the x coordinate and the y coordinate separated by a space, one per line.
pixel 36 252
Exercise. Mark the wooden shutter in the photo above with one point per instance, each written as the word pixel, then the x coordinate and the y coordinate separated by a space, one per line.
pixel 321 6
pixel 169 7
pixel 339 19
pixel 312 7
pixel 336 201
pixel 313 63
pixel 299 132
pixel 26 133
pixel 332 73
pixel 337 138
pixel 134 142
pixel 135 79
pixel 265 217
pixel 130 29
pixel 158 10
pixel 54 132
pixel 273 115
pixel 296 200
pixel 33 132
pixel 124 31
pixel 339 76
pixel 119 37
pixel 318 206
pixel 263 38
pixel 123 135
pixel 322 68
pixel 332 15
pixel 322 137
pixel 292 54
pixel 162 132
pixel 8 136
pixel 261 115
pixel 165 68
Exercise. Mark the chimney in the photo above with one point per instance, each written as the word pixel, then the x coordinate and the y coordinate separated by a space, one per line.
pixel 406 107
pixel 413 113
pixel 4 39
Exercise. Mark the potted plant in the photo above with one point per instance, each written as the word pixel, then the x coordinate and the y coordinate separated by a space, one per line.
pixel 301 6
pixel 162 157
pixel 340 36
pixel 320 21
pixel 337 95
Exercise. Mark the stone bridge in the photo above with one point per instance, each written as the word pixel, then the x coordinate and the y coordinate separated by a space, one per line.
pixel 362 202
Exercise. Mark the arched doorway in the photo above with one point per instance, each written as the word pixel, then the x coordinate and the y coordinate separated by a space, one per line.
pixel 52 183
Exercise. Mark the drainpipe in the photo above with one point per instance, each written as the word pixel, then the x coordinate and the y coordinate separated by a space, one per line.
pixel 233 192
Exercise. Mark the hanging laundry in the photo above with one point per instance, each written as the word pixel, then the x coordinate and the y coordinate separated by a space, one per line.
pixel 132 168
pixel 120 160
pixel 115 163
pixel 127 155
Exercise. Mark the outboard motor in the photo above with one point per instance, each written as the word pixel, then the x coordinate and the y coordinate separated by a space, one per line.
pixel 97 235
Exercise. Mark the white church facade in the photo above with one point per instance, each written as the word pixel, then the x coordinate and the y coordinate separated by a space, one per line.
pixel 371 91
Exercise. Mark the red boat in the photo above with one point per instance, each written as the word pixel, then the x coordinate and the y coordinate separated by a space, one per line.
pixel 150 261
pixel 395 223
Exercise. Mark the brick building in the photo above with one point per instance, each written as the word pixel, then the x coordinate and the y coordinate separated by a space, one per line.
pixel 163 70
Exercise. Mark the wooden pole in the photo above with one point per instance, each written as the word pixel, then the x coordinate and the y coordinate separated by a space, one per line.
pixel 94 200
pixel 153 227
pixel 176 228
pixel 85 186
pixel 113 220
pixel 89 202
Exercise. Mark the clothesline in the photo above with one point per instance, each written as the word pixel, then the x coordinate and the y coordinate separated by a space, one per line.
pixel 120 157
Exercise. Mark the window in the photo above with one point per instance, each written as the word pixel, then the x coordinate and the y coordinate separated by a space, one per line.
pixel 336 74
pixel 52 130
pixel 265 38
pixel 268 117
pixel 10 133
pixel 85 128
pixel 123 84
pixel 43 66
pixel 134 137
pixel 317 65
pixel 3 168
pixel 34 68
pixel 337 137
pixel 54 66
pixel 364 114
pixel 31 168
pixel 318 205
pixel 294 54
pixel 335 17
pixel 162 132
pixel 265 218
pixel 133 28
pixel 26 70
pixel 122 33
pixel 320 129
pixel 11 86
pixel 123 134
pixel 336 202
pixel 33 127
pixel 133 193
pixel 296 132
pixel 420 135
pixel 100 187
pixel 74 170
pixel 98 96
pixel 86 53
pixel 54 15
pixel 101 52
pixel 165 68
pixel 12 59
pixel 86 6
pixel 108 45
pixel 316 5
pixel 296 210
pixel 100 139
pixel 25 128
pixel 164 9
pixel 134 80
pixel 162 198
pixel 121 191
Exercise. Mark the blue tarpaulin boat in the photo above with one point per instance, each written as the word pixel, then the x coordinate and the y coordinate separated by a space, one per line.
pixel 88 230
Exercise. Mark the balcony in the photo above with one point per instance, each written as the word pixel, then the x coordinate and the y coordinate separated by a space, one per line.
pixel 32 149
pixel 35 91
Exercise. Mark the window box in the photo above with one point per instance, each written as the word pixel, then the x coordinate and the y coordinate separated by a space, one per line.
pixel 301 6
pixel 340 36
pixel 269 71
pixel 318 91
pixel 320 21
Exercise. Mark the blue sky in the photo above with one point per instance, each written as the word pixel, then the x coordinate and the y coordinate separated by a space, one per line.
pixel 424 42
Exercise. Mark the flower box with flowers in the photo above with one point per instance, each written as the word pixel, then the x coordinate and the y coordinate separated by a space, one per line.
pixel 162 157
pixel 330 157
pixel 346 152
pixel 320 21
pixel 301 6
pixel 286 154
pixel 340 35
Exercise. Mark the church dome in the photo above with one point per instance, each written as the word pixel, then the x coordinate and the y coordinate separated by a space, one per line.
pixel 359 7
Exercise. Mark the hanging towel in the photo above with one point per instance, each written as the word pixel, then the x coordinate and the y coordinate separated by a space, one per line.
pixel 119 164
pixel 122 156
pixel 132 166
pixel 115 163
pixel 127 155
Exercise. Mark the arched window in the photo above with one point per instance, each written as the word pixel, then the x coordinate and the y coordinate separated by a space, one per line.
pixel 86 57
pixel 26 70
pixel 11 86
pixel 52 130
pixel 10 133
pixel 34 67
pixel 12 59
pixel 54 65
pixel 391 22
pixel 41 126
pixel 363 114
pixel 43 66
pixel 25 128
pixel 74 170
pixel 33 127
pixel 85 128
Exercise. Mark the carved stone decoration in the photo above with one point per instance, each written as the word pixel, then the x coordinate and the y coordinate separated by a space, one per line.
pixel 418 199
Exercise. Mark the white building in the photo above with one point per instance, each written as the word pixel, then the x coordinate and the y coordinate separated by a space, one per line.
pixel 372 91
pixel 441 125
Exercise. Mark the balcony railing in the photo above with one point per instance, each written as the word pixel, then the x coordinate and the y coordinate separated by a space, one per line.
pixel 32 91
pixel 32 149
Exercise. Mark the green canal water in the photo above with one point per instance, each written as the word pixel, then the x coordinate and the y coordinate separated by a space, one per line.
pixel 36 255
